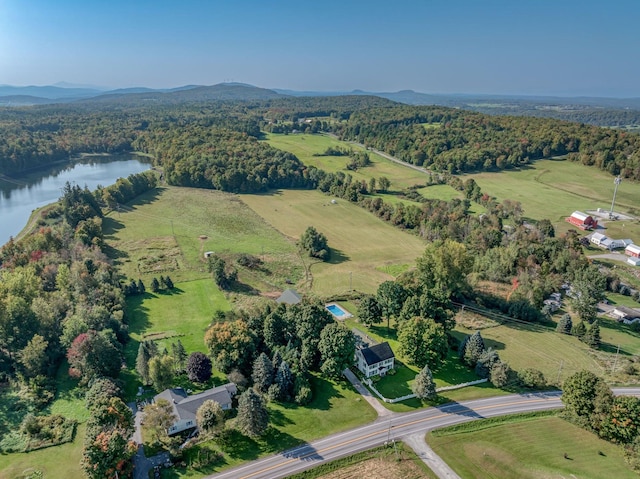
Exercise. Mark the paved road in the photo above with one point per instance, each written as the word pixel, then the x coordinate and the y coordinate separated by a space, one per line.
pixel 396 428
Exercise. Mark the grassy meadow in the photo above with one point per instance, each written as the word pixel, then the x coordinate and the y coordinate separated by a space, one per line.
pixel 362 245
pixel 528 448
pixel 554 188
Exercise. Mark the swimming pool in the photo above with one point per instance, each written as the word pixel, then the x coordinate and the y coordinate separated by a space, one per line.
pixel 338 311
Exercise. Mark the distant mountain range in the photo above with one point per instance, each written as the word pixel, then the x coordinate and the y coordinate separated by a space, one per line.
pixel 588 109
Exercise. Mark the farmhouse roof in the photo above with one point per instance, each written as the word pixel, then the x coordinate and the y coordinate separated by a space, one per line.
pixel 185 406
pixel 289 296
pixel 598 237
pixel 377 353
pixel 627 313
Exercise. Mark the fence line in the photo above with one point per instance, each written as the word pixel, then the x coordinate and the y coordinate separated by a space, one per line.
pixel 369 383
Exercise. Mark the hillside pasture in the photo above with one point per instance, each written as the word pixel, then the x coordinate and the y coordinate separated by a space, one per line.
pixel 169 233
pixel 543 447
pixel 554 188
pixel 360 242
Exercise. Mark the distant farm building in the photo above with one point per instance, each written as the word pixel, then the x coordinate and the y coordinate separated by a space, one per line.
pixel 604 242
pixel 289 296
pixel 632 250
pixel 625 315
pixel 582 220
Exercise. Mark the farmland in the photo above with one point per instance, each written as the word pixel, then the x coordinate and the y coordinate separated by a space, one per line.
pixel 360 242
pixel 528 448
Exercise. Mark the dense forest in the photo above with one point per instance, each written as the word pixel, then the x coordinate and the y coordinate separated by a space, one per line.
pixel 451 140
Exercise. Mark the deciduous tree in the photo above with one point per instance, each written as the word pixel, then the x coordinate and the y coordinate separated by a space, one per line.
pixel 210 417
pixel 198 367
pixel 337 349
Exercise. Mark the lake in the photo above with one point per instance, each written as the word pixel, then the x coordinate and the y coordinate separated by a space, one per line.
pixel 21 194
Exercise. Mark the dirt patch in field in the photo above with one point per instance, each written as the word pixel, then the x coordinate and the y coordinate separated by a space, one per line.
pixel 154 255
pixel 379 467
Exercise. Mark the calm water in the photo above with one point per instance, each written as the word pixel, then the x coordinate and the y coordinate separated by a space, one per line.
pixel 22 194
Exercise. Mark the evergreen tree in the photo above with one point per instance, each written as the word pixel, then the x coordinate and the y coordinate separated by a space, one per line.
pixel 155 285
pixel 423 386
pixel 163 282
pixel 592 336
pixel 142 363
pixel 473 349
pixel 179 355
pixel 168 283
pixel 141 287
pixel 262 373
pixel 133 288
pixel 253 416
pixel 276 361
pixel 565 324
pixel 579 330
pixel 285 381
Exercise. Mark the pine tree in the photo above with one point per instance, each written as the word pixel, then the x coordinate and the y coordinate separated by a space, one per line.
pixel 142 363
pixel 253 417
pixel 424 387
pixel 168 283
pixel 155 285
pixel 473 349
pixel 163 282
pixel 592 336
pixel 565 324
pixel 179 355
pixel 262 374
pixel 285 381
pixel 276 361
pixel 579 330
pixel 133 288
pixel 141 287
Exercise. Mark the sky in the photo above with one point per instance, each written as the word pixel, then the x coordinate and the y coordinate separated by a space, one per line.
pixel 535 47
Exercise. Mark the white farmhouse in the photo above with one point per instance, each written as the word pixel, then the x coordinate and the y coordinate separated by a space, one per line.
pixel 375 360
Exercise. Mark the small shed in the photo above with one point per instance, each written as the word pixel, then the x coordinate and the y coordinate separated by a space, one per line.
pixel 633 261
pixel 289 296
pixel 374 360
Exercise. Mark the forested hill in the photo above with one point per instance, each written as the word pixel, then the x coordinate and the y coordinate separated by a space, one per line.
pixel 440 138
pixel 454 140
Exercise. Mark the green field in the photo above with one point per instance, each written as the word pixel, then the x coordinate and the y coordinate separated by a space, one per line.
pixel 555 188
pixel 58 461
pixel 167 232
pixel 529 448
pixel 362 245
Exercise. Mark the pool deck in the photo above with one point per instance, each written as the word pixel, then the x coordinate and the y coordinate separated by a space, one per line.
pixel 346 314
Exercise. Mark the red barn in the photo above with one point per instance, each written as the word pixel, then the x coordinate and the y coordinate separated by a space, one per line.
pixel 582 220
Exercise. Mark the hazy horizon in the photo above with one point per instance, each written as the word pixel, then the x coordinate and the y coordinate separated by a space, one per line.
pixel 566 49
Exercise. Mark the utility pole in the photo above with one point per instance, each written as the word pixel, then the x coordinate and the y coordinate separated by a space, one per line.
pixel 616 182
pixel 559 371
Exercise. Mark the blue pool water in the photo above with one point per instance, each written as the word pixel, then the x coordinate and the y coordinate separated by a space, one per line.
pixel 337 311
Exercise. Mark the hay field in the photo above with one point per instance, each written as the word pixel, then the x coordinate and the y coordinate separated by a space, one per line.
pixel 362 245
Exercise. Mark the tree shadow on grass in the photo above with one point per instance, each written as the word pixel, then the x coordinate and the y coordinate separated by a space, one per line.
pixel 277 418
pixel 138 313
pixel 337 256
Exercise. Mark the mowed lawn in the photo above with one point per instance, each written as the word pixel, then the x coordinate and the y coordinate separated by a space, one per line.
pixel 360 242
pixel 531 449
pixel 523 346
pixel 58 461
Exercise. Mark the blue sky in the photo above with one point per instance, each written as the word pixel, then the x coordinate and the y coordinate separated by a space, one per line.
pixel 561 47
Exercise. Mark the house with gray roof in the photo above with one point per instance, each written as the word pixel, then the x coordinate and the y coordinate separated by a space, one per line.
pixel 185 406
pixel 289 296
pixel 375 360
